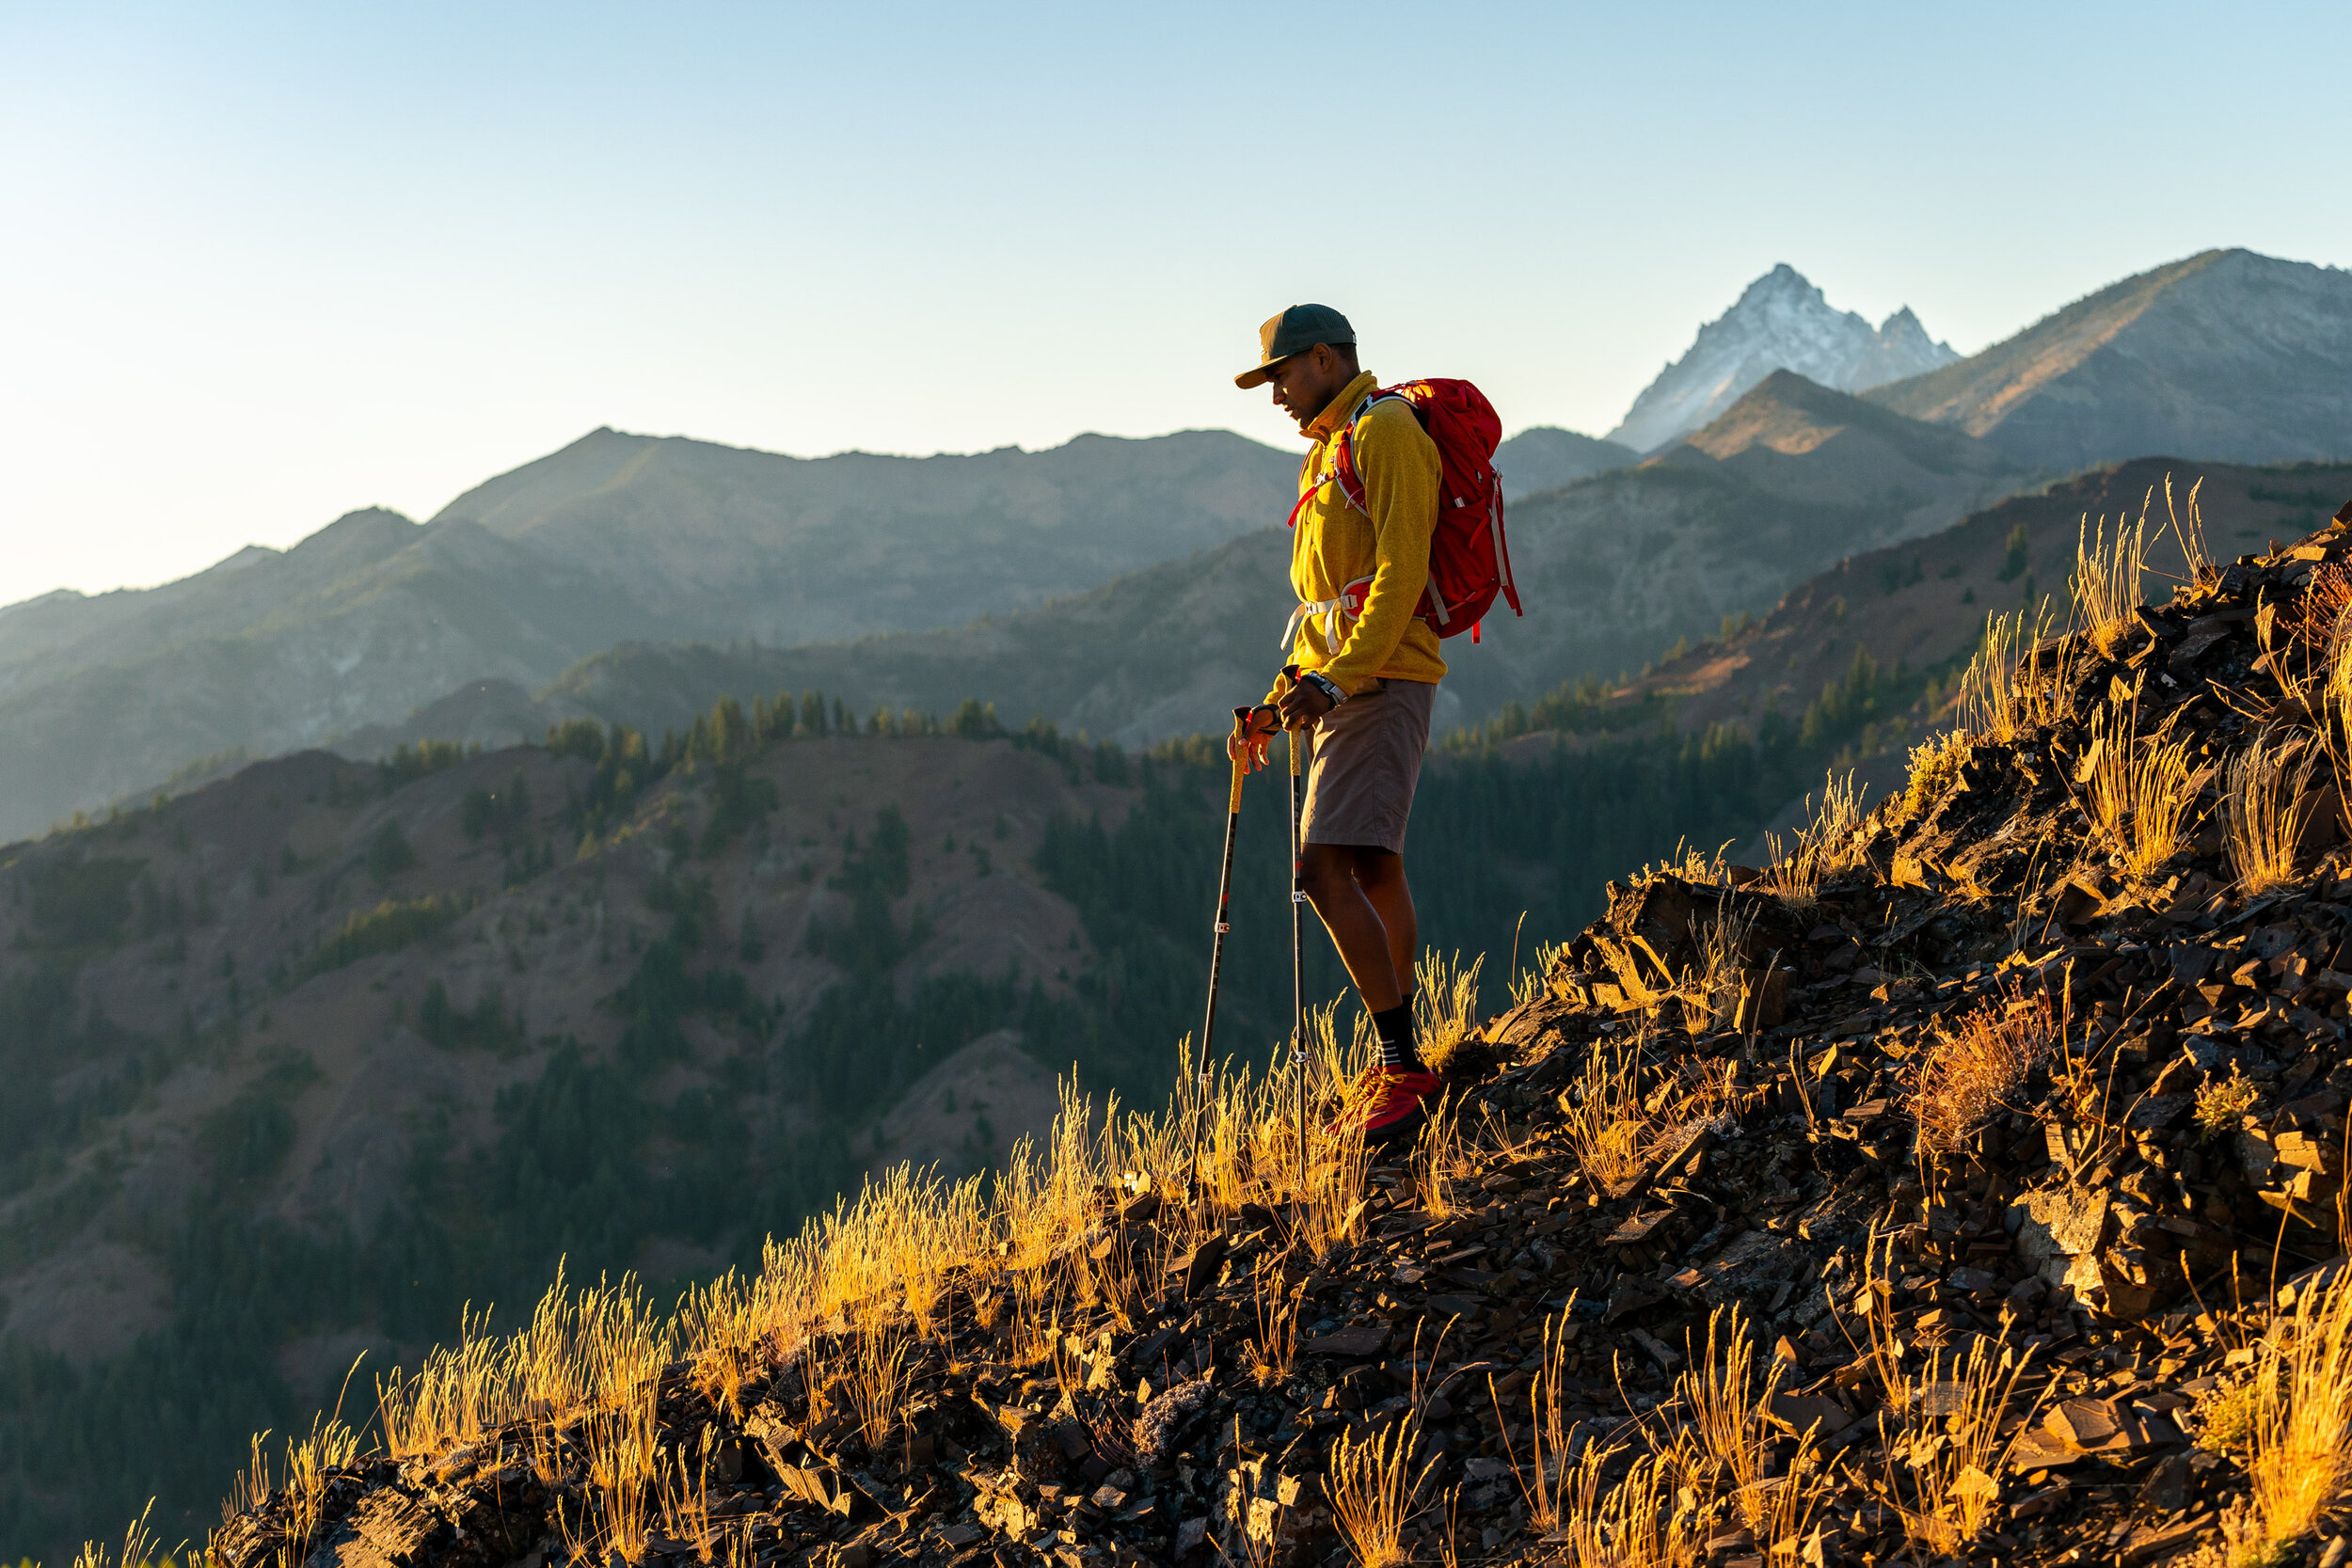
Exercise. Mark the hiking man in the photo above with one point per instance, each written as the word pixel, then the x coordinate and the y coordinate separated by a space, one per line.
pixel 1369 671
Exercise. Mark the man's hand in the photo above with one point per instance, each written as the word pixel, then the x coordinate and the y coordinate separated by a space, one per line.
pixel 1248 744
pixel 1303 704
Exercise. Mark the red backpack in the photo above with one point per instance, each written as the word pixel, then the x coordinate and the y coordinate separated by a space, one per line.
pixel 1470 562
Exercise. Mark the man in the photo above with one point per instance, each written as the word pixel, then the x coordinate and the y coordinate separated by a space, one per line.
pixel 1369 671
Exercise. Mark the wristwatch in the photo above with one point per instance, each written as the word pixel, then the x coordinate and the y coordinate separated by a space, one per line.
pixel 1326 685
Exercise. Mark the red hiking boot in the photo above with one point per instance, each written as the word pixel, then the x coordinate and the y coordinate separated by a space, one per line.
pixel 1392 1107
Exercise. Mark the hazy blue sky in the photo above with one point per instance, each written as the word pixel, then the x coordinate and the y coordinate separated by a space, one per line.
pixel 260 264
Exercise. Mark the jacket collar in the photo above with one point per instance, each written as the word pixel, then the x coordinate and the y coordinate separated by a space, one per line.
pixel 1335 413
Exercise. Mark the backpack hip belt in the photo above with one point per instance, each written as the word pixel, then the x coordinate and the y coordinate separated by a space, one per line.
pixel 1345 605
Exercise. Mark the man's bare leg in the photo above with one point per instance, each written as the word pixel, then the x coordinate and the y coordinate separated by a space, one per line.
pixel 1358 903
pixel 1381 874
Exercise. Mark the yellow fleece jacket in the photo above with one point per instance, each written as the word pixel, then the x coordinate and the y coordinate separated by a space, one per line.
pixel 1335 544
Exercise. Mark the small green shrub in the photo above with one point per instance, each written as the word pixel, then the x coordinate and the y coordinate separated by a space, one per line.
pixel 389 853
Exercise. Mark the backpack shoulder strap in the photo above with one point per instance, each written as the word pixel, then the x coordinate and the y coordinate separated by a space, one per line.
pixel 1343 469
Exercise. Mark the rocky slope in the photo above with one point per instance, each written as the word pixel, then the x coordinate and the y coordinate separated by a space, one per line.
pixel 2226 355
pixel 1779 323
pixel 1963 1188
pixel 615 537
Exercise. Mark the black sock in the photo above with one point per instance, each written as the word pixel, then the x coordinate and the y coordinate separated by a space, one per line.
pixel 1395 1028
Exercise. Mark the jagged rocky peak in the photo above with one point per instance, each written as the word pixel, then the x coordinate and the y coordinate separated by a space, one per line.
pixel 1780 322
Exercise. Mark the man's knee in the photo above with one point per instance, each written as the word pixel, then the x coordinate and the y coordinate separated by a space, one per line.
pixel 1324 870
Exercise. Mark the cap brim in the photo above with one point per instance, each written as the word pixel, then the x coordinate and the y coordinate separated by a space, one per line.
pixel 1260 375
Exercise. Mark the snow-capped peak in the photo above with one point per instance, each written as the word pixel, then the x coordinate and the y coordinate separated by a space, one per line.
pixel 1781 322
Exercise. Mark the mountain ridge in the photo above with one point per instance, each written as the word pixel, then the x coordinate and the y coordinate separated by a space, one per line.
pixel 1613 569
pixel 1780 321
pixel 373 615
pixel 2226 355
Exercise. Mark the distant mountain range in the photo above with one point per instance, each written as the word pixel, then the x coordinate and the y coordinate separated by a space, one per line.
pixel 2225 356
pixel 1613 568
pixel 841 567
pixel 615 537
pixel 1781 322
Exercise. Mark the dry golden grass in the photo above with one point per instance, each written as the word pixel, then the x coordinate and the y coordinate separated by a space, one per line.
pixel 1643 1521
pixel 1601 1114
pixel 330 1446
pixel 2332 713
pixel 137 1550
pixel 1691 866
pixel 2012 683
pixel 1972 1067
pixel 1438 1158
pixel 1529 983
pixel 1374 1490
pixel 1953 1444
pixel 623 1445
pixel 2271 801
pixel 2107 579
pixel 1714 987
pixel 1827 845
pixel 879 1378
pixel 1447 1000
pixel 1731 1440
pixel 2188 527
pixel 683 1499
pixel 1271 1355
pixel 1543 1476
pixel 1249 1147
pixel 2300 1420
pixel 858 1289
pixel 1957 1451
pixel 2141 791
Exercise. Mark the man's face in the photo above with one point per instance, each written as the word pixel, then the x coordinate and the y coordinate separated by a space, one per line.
pixel 1305 384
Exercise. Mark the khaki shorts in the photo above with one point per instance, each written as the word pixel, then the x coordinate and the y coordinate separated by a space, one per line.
pixel 1364 764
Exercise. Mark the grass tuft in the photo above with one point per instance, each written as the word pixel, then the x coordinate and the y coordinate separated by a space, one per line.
pixel 2271 800
pixel 1374 1491
pixel 2141 791
pixel 1447 999
pixel 1971 1069
pixel 2106 578
pixel 2016 679
pixel 2301 1416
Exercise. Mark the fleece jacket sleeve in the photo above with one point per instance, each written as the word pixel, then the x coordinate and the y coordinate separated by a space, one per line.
pixel 1398 465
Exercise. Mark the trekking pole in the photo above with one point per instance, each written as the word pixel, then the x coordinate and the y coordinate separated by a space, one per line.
pixel 1298 950
pixel 1217 945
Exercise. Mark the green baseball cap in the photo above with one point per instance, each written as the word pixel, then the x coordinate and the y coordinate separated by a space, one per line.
pixel 1294 331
